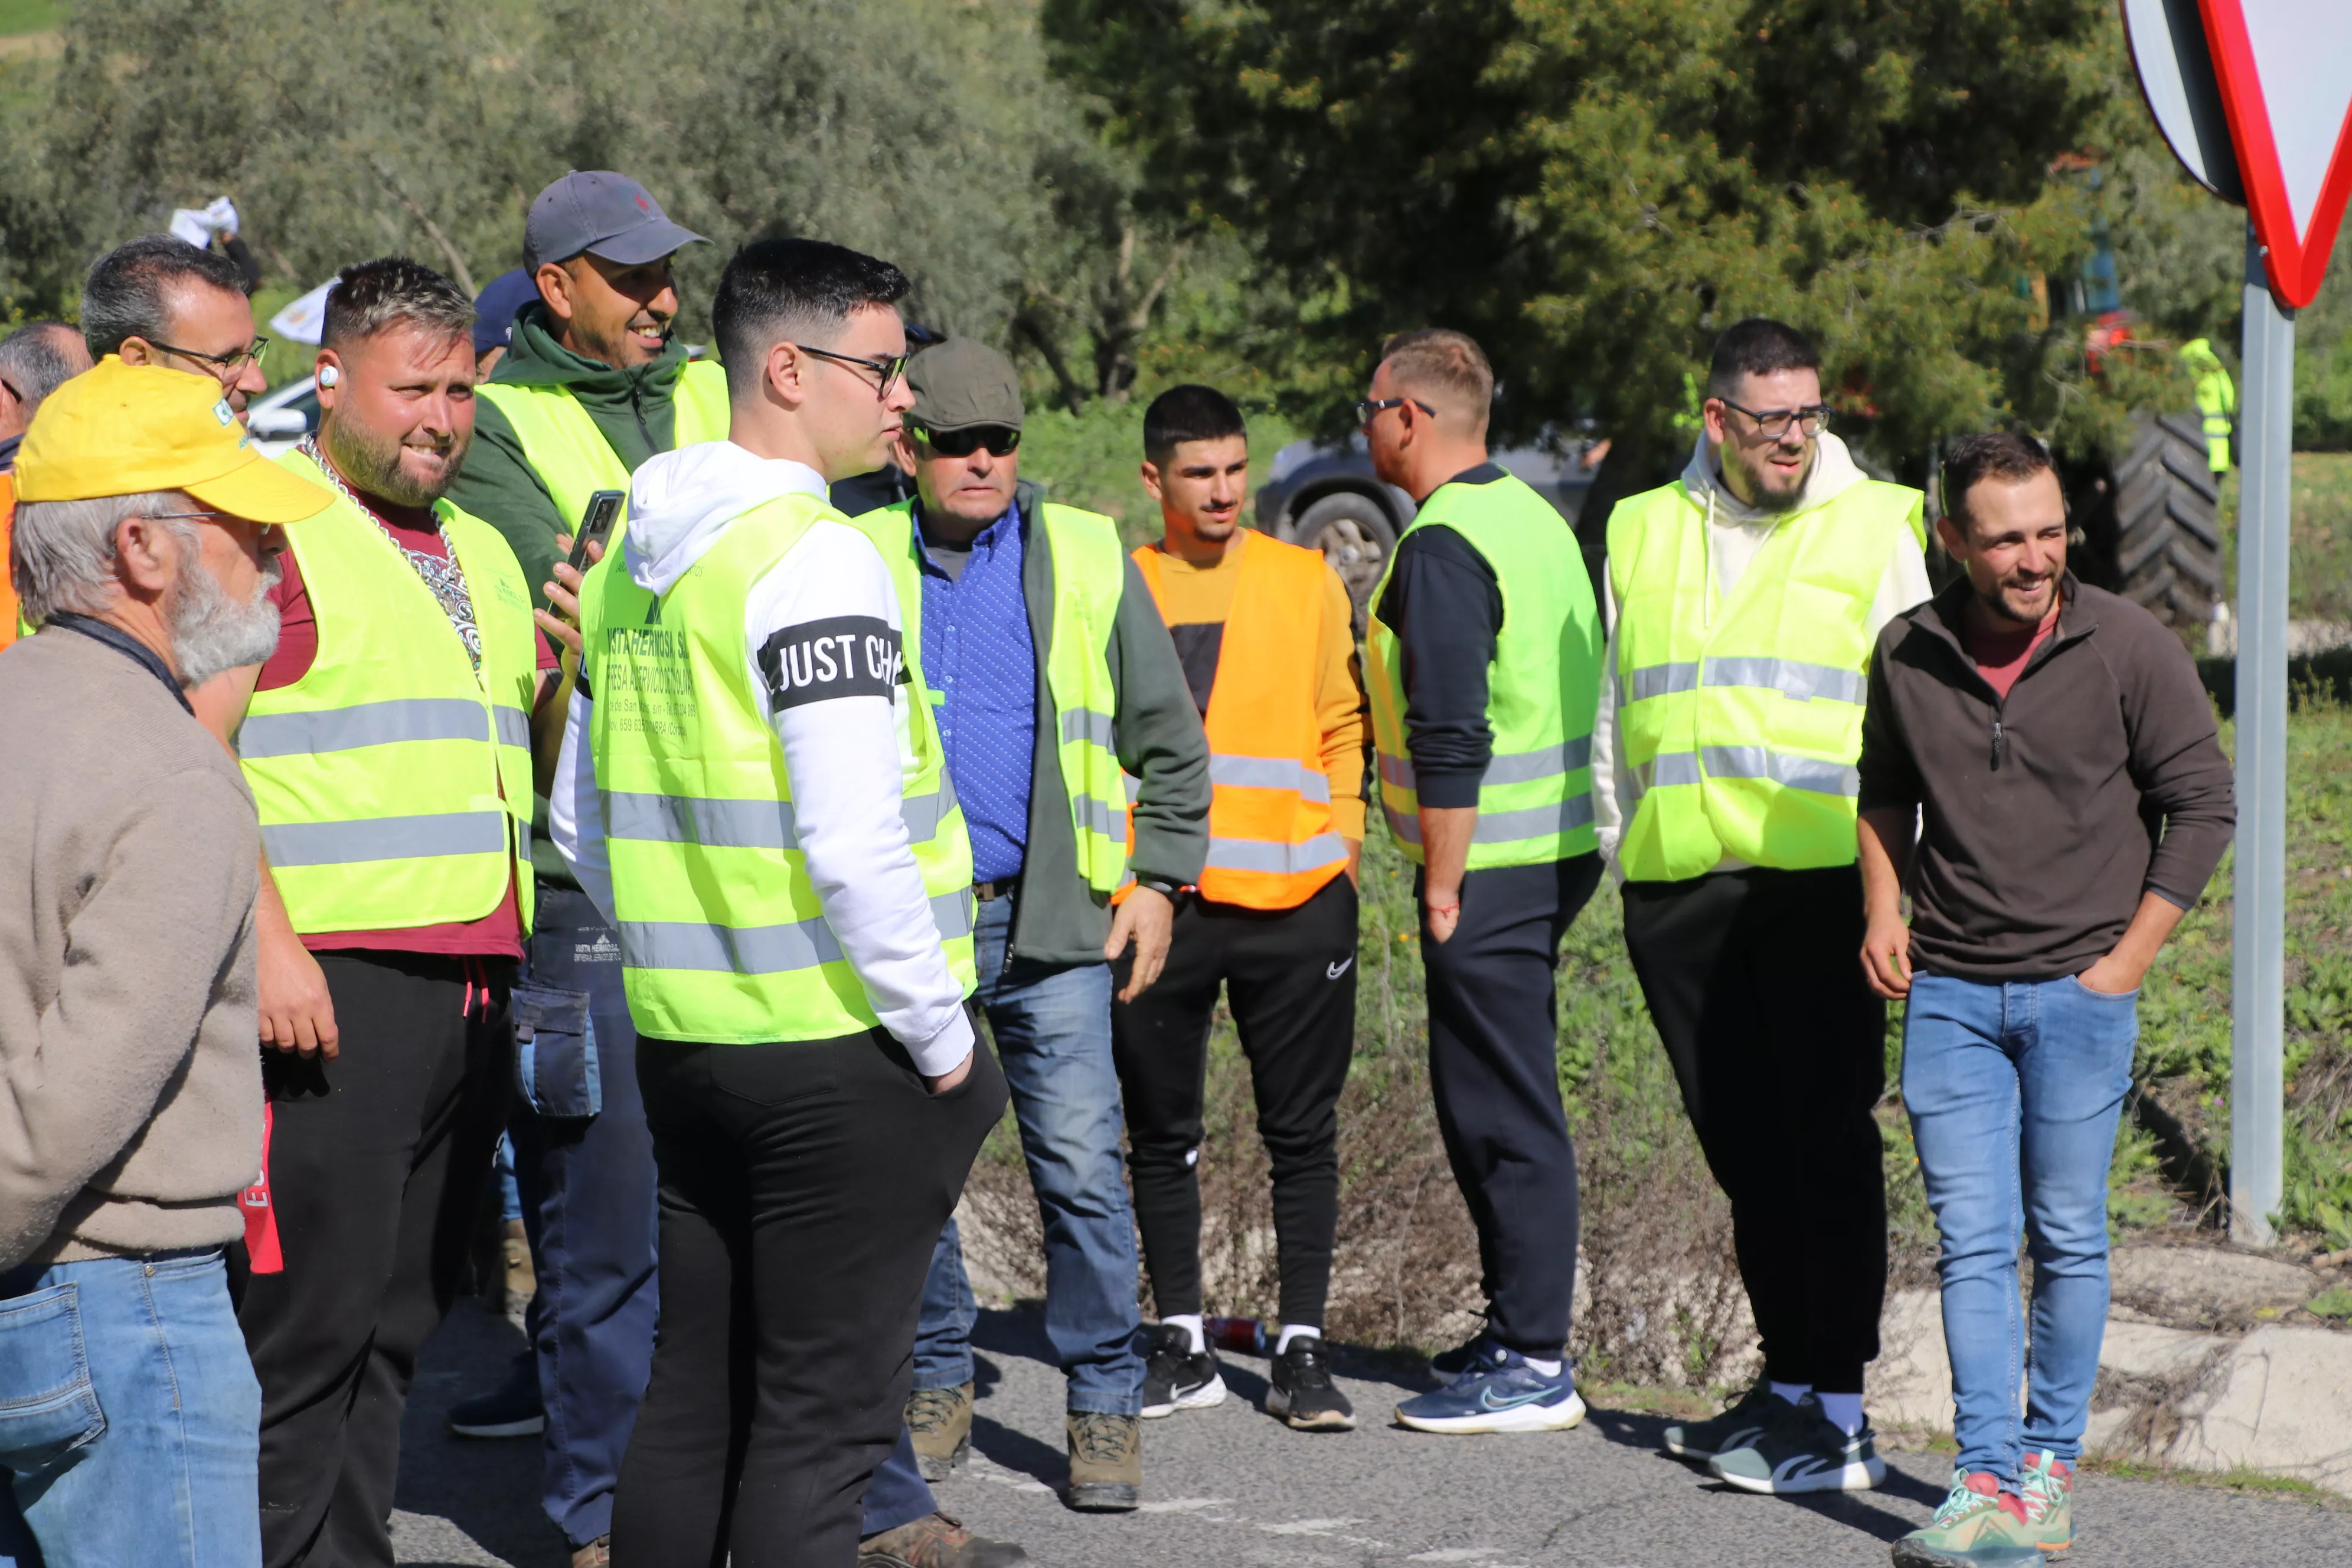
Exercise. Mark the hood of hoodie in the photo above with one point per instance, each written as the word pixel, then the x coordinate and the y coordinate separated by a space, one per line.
pixel 680 503
pixel 1834 473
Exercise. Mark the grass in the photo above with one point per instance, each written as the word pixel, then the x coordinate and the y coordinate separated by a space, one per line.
pixel 2241 1478
pixel 2319 550
pixel 30 15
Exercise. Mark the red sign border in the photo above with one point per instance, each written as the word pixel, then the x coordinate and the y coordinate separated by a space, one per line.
pixel 2295 265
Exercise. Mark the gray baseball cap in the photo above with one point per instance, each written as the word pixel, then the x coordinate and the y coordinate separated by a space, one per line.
pixel 961 382
pixel 604 214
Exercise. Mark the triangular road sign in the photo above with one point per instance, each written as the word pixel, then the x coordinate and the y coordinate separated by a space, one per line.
pixel 2285 73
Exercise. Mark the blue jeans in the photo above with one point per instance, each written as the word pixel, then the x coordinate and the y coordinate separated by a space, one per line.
pixel 1052 1027
pixel 2014 1091
pixel 130 1416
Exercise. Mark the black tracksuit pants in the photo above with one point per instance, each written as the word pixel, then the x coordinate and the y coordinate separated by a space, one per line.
pixel 1494 1069
pixel 1754 979
pixel 802 1188
pixel 1290 978
pixel 376 1165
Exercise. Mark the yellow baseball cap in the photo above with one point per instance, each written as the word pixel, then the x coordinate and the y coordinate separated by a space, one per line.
pixel 123 429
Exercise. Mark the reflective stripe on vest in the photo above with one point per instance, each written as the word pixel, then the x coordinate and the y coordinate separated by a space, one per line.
pixel 1740 721
pixel 1272 845
pixel 570 455
pixel 391 752
pixel 1535 799
pixel 723 937
pixel 1088 580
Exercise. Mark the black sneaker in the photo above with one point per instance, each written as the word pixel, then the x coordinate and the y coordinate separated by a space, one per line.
pixel 1758 1411
pixel 1300 1392
pixel 510 1410
pixel 1178 1377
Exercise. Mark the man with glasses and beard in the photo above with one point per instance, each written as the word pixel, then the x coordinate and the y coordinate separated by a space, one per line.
pixel 1744 601
pixel 129 1097
pixel 388 747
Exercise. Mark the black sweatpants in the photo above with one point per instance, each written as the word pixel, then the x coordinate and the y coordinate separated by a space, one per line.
pixel 1754 979
pixel 1494 1069
pixel 1290 978
pixel 802 1188
pixel 376 1165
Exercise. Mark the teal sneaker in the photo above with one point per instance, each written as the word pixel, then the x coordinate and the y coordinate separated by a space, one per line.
pixel 1807 1452
pixel 1757 1410
pixel 2047 1484
pixel 1979 1526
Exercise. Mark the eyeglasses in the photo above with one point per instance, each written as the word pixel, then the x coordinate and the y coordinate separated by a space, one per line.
pixel 228 366
pixel 888 367
pixel 1369 410
pixel 194 516
pixel 1774 422
pixel 1000 441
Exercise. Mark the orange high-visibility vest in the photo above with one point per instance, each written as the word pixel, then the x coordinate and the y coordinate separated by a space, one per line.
pixel 1272 845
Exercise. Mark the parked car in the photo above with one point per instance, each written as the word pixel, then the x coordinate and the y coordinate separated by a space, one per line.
pixel 283 415
pixel 1325 495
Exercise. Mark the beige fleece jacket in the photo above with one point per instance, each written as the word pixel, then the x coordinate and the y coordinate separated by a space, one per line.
pixel 130 1072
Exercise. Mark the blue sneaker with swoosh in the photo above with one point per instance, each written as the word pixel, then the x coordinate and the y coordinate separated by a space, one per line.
pixel 1499 1391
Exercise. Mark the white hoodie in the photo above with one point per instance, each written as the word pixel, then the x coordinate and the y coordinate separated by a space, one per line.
pixel 847 742
pixel 1735 532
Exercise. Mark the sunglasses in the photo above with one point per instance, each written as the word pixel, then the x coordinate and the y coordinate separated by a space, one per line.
pixel 1369 410
pixel 1000 441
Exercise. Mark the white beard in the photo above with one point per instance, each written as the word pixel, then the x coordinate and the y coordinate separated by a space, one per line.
pixel 212 632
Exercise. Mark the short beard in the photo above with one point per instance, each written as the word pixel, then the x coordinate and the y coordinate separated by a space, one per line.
pixel 373 466
pixel 212 632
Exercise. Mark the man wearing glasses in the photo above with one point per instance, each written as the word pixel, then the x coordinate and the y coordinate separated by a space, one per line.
pixel 1745 600
pixel 160 300
pixel 1055 681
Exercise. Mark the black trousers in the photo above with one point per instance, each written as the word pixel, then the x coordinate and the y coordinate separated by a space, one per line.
pixel 1754 979
pixel 802 1188
pixel 1290 978
pixel 1494 1071
pixel 376 1164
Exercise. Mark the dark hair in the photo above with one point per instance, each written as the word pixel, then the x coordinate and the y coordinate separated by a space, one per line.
pixel 35 361
pixel 776 289
pixel 1996 455
pixel 1445 365
pixel 1190 413
pixel 370 296
pixel 128 291
pixel 1758 346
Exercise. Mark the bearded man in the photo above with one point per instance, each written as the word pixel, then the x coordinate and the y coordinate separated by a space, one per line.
pixel 387 744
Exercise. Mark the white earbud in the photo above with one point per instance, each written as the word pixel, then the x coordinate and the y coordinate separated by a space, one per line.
pixel 329 376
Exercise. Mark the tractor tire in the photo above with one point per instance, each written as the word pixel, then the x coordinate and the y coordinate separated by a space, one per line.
pixel 1356 536
pixel 2167 539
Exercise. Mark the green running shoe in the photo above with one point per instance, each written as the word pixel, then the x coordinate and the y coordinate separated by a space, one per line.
pixel 1979 1526
pixel 2047 1485
pixel 1758 1410
pixel 1806 1452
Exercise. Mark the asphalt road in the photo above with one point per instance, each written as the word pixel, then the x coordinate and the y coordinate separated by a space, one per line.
pixel 1229 1485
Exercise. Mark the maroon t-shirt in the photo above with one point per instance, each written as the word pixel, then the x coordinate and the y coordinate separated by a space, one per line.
pixel 2001 655
pixel 498 934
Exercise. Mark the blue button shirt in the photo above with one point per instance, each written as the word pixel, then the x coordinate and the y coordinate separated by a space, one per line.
pixel 978 658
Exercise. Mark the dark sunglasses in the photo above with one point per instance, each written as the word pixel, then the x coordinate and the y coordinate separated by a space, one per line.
pixel 1000 441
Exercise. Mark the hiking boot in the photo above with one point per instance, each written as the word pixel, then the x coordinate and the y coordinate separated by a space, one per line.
pixel 597 1554
pixel 1299 1390
pixel 1106 1462
pixel 938 1420
pixel 936 1541
pixel 1979 1526
pixel 510 1410
pixel 1176 1376
pixel 1808 1452
pixel 1758 1410
pixel 1500 1393
pixel 2046 1483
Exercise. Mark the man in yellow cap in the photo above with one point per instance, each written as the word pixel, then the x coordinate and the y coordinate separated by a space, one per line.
pixel 146 543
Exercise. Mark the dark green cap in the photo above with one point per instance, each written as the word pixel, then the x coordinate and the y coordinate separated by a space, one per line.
pixel 963 383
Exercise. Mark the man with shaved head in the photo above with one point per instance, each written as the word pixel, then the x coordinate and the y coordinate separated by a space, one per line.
pixel 1483 684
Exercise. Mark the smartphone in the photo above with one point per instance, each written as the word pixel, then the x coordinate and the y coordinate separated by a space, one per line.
pixel 596 525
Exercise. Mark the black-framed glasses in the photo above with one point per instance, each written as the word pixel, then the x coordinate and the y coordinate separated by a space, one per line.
pixel 1774 423
pixel 1001 441
pixel 1370 409
pixel 890 367
pixel 227 367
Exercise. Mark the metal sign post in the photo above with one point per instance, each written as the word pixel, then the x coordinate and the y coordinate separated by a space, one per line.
pixel 2258 966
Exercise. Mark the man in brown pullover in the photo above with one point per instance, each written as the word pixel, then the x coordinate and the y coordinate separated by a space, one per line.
pixel 130 1092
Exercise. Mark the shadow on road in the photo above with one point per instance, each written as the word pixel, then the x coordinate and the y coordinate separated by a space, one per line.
pixel 487 1489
